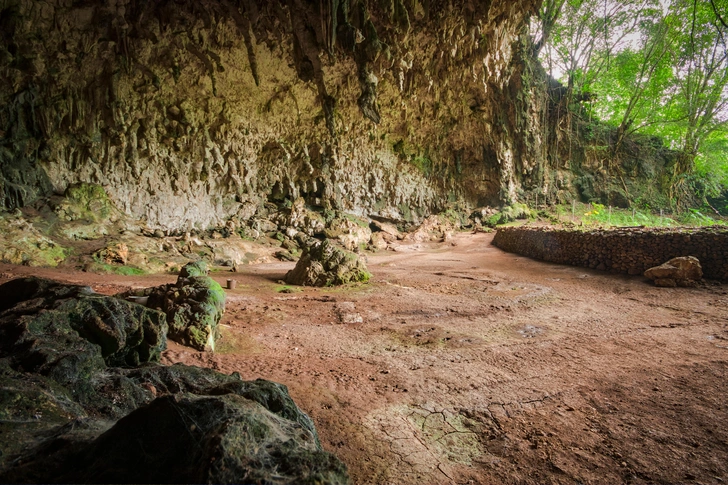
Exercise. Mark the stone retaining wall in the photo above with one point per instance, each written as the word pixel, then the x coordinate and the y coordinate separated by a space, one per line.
pixel 624 250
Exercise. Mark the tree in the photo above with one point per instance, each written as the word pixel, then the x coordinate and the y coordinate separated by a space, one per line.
pixel 701 77
pixel 656 66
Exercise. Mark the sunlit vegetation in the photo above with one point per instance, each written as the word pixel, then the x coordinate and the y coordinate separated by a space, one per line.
pixel 649 67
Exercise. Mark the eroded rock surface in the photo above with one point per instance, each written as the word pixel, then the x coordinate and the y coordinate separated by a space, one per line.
pixel 325 264
pixel 192 113
pixel 433 228
pixel 76 406
pixel 22 243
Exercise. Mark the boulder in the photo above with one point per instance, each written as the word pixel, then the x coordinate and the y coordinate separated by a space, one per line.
pixel 433 228
pixel 325 264
pixel 75 409
pixel 22 243
pixel 378 241
pixel 85 212
pixel 285 255
pixel 389 232
pixel 124 332
pixel 117 253
pixel 194 306
pixel 681 271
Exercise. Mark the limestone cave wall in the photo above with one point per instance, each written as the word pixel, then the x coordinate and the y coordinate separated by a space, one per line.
pixel 192 112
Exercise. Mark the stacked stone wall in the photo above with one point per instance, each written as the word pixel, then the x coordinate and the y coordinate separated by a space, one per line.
pixel 624 250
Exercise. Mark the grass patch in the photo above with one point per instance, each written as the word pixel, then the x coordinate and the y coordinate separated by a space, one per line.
pixel 601 216
pixel 287 289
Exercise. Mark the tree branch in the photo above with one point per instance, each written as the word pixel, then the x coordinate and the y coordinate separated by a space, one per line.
pixel 715 10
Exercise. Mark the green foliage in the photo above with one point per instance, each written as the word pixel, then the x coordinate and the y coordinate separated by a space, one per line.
pixel 711 167
pixel 693 217
pixel 656 67
pixel 595 214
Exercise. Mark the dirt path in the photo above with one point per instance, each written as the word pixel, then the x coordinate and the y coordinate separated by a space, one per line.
pixel 465 364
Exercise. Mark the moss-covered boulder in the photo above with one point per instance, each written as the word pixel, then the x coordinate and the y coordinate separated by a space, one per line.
pixel 323 263
pixel 75 408
pixel 194 306
pixel 52 314
pixel 198 268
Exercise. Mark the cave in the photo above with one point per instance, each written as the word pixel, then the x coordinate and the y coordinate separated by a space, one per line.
pixel 345 241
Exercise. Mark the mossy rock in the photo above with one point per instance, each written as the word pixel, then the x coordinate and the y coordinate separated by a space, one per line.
pixel 325 264
pixel 194 306
pixel 22 243
pixel 232 440
pixel 75 409
pixel 509 214
pixel 125 333
pixel 198 268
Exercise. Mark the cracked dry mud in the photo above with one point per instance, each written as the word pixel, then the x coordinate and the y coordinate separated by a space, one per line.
pixel 465 364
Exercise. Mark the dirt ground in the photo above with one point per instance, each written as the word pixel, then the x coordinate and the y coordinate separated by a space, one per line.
pixel 464 364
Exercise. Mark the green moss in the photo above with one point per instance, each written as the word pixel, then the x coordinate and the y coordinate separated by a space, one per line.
pixel 423 164
pixel 198 268
pixel 416 156
pixel 244 233
pixel 100 267
pixel 52 255
pixel 509 214
pixel 215 294
pixel 455 217
pixel 88 201
pixel 129 271
pixel 286 289
pixel 199 337
pixel 359 222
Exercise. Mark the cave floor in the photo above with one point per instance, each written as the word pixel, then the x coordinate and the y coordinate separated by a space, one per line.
pixel 464 364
